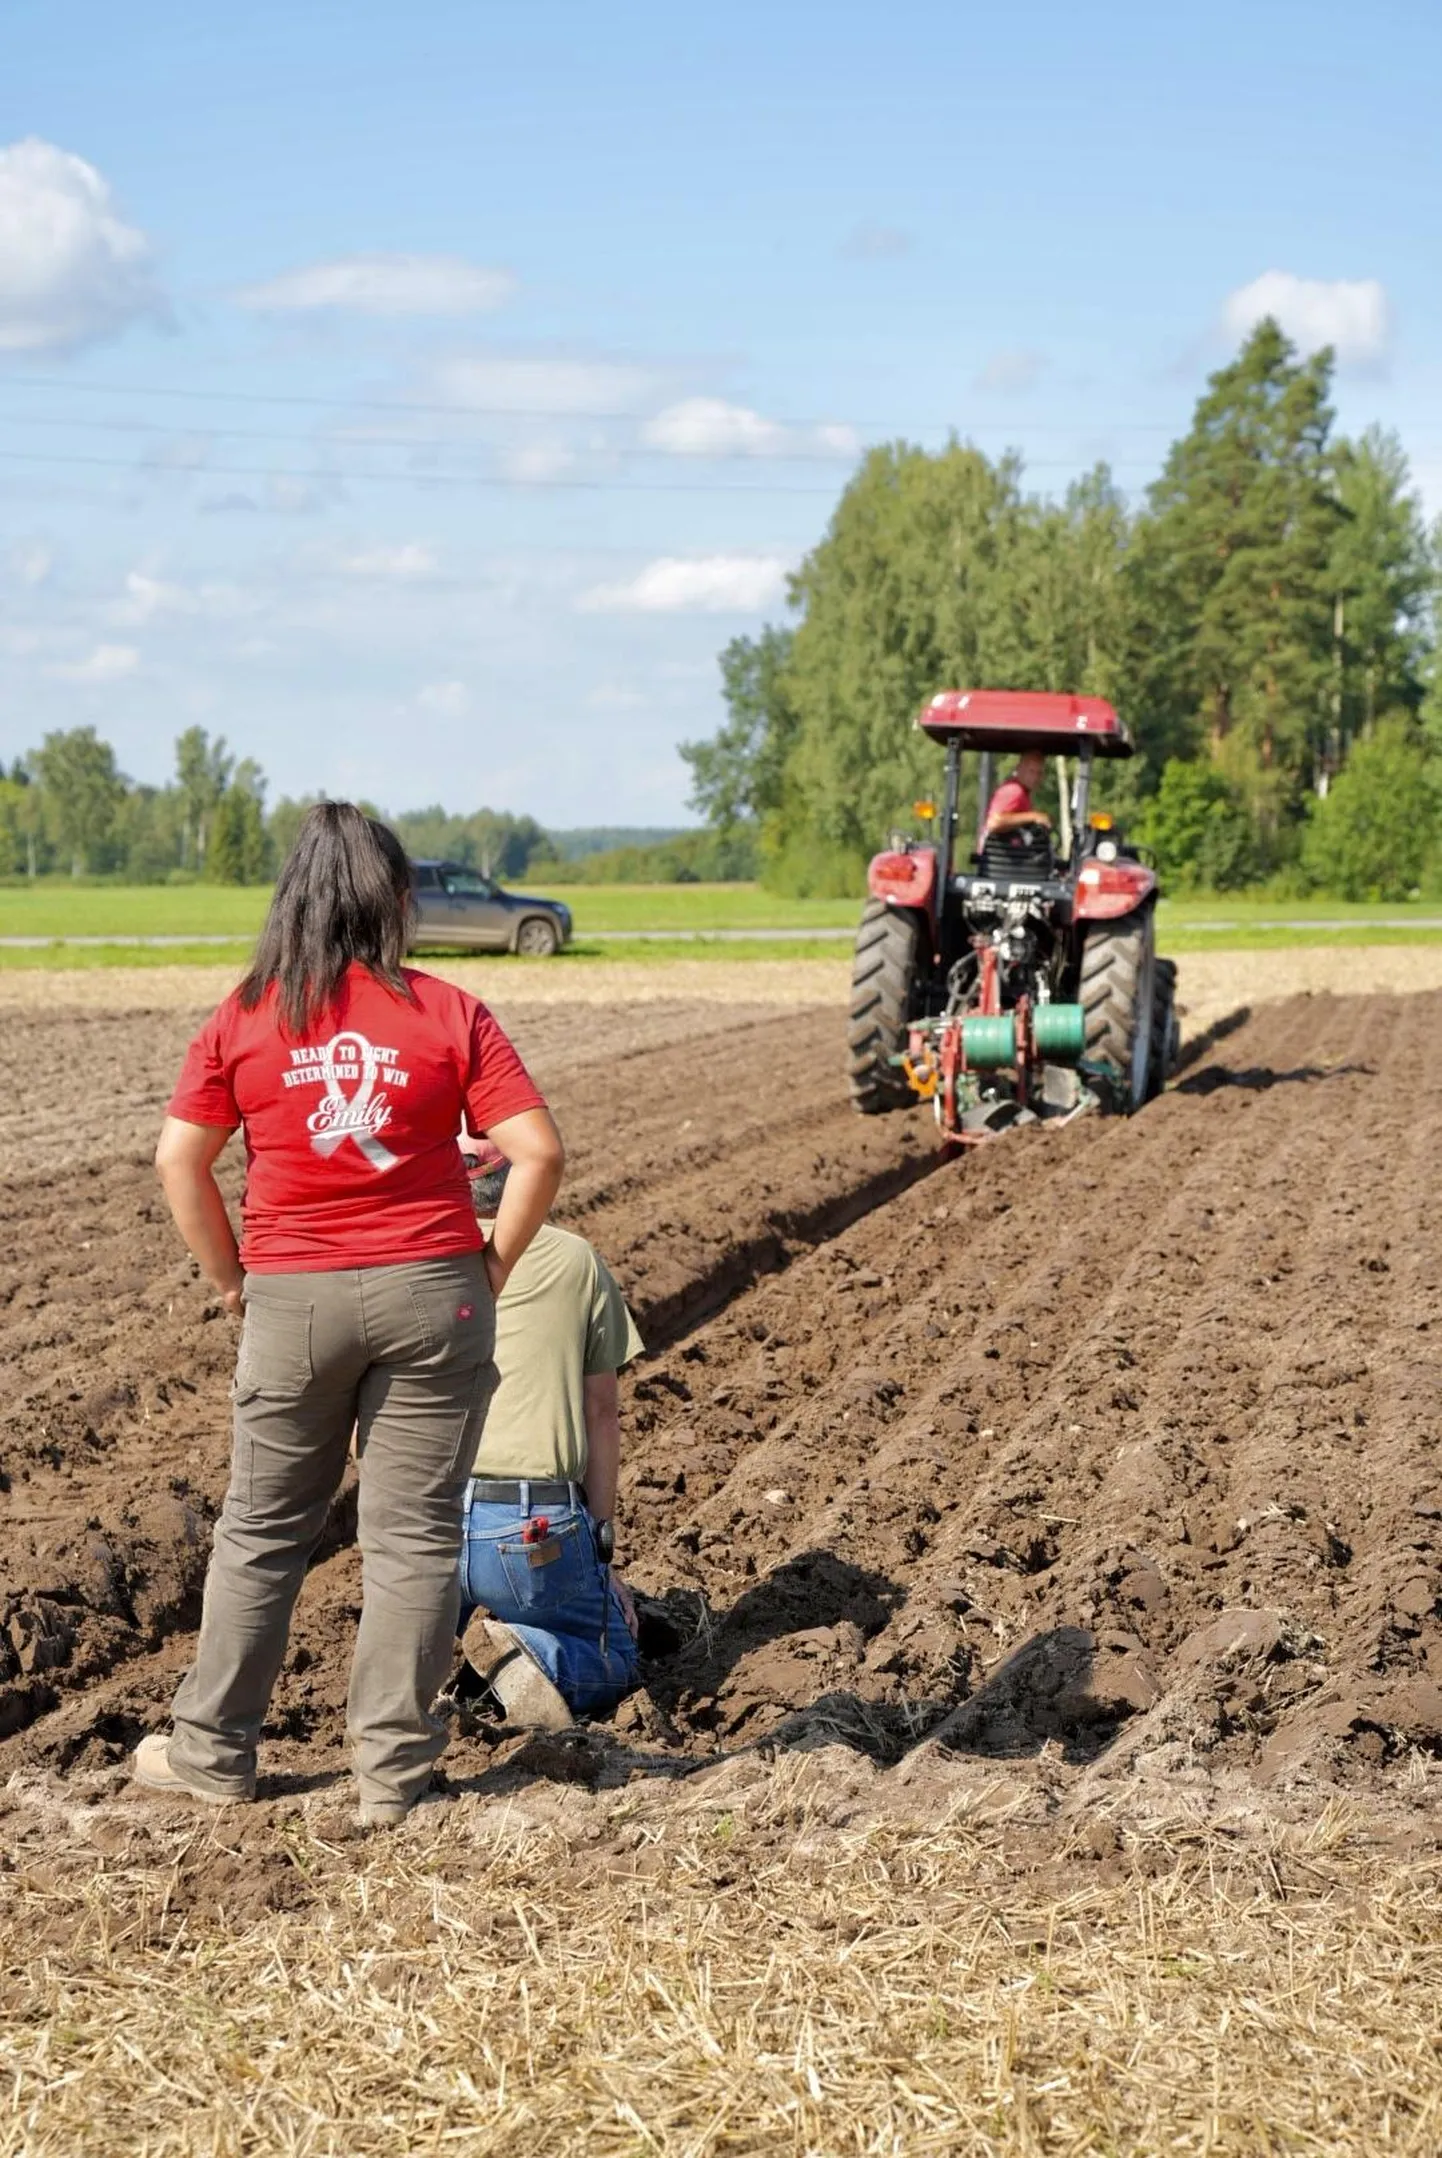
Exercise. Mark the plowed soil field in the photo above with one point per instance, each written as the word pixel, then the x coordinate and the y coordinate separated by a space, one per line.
pixel 1122 1437
pixel 1086 1481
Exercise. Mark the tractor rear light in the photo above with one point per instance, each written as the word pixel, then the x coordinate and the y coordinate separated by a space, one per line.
pixel 905 877
pixel 1105 889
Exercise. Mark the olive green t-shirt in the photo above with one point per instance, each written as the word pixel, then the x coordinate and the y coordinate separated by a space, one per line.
pixel 560 1317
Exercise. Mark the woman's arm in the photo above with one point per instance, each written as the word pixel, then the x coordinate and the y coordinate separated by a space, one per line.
pixel 185 1163
pixel 532 1146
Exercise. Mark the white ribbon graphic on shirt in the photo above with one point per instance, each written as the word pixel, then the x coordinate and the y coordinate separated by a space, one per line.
pixel 359 1116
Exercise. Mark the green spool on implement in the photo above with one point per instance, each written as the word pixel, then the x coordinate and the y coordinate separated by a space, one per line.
pixel 1059 1031
pixel 989 1042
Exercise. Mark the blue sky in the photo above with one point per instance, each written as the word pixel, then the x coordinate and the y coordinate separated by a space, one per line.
pixel 422 397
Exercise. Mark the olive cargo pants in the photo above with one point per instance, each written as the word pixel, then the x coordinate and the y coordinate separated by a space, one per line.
pixel 402 1355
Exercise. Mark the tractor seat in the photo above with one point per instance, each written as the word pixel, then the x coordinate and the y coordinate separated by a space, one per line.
pixel 1023 852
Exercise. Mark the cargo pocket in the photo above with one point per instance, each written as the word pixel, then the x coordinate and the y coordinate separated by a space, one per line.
pixel 274 1360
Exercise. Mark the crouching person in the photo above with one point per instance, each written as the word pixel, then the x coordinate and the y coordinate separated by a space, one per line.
pixel 543 1623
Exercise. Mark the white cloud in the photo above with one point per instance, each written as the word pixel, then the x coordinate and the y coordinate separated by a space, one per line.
pixel 534 463
pixel 107 663
pixel 1350 314
pixel 706 584
pixel 709 427
pixel 145 598
pixel 449 700
pixel 71 269
pixel 493 382
pixel 1010 371
pixel 402 565
pixel 150 599
pixel 385 285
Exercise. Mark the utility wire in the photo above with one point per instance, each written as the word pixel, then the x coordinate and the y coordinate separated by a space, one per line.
pixel 331 475
pixel 413 443
pixel 883 430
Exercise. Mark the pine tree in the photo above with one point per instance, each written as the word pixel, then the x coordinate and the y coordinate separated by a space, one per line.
pixel 1233 573
pixel 1382 575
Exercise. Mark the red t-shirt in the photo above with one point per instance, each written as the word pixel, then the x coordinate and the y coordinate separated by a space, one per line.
pixel 1011 799
pixel 350 1132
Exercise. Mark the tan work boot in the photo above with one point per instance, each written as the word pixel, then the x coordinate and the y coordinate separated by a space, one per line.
pixel 529 1699
pixel 390 1812
pixel 150 1767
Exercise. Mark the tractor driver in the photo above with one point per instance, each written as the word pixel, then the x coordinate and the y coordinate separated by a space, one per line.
pixel 1011 804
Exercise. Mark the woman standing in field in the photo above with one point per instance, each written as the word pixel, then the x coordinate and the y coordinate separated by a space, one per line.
pixel 368 1300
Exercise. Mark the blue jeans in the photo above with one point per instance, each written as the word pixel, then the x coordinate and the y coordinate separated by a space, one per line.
pixel 556 1610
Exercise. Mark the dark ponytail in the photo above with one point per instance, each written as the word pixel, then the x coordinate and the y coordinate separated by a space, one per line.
pixel 343 897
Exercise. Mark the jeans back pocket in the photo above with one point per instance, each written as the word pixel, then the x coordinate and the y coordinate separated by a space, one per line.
pixel 551 1572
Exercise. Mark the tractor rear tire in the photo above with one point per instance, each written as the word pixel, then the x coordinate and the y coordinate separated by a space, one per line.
pixel 1119 996
pixel 1166 1029
pixel 883 989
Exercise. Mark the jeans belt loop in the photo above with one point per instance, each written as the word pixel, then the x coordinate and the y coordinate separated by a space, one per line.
pixel 525 1494
pixel 470 1498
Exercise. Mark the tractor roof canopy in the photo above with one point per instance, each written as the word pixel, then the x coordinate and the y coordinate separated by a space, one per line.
pixel 1023 719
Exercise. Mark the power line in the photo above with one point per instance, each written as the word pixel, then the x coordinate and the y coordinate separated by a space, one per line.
pixel 413 443
pixel 189 393
pixel 329 476
pixel 332 475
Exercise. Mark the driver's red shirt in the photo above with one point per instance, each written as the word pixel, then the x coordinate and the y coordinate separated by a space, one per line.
pixel 350 1129
pixel 1011 799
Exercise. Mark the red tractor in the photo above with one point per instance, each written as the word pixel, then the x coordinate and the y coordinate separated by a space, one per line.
pixel 1020 980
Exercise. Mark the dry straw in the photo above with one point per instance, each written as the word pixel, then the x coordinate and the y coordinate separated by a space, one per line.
pixel 715 1968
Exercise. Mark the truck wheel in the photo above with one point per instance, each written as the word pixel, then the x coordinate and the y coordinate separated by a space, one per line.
pixel 883 986
pixel 537 938
pixel 1166 1030
pixel 1118 994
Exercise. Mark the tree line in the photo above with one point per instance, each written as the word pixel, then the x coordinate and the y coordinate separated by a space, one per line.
pixel 66 808
pixel 1266 621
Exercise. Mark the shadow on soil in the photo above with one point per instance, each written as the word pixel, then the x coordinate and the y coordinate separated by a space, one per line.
pixel 777 1647
pixel 1201 1044
pixel 1261 1078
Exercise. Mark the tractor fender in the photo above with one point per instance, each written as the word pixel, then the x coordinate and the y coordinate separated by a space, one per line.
pixel 1105 890
pixel 903 879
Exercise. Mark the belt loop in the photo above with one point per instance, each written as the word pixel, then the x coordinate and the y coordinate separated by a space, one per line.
pixel 525 1494
pixel 470 1498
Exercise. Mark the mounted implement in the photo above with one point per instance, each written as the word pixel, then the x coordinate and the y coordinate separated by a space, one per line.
pixel 1017 979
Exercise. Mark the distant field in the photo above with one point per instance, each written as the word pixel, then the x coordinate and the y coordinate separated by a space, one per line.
pixel 59 909
pixel 608 917
pixel 56 908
